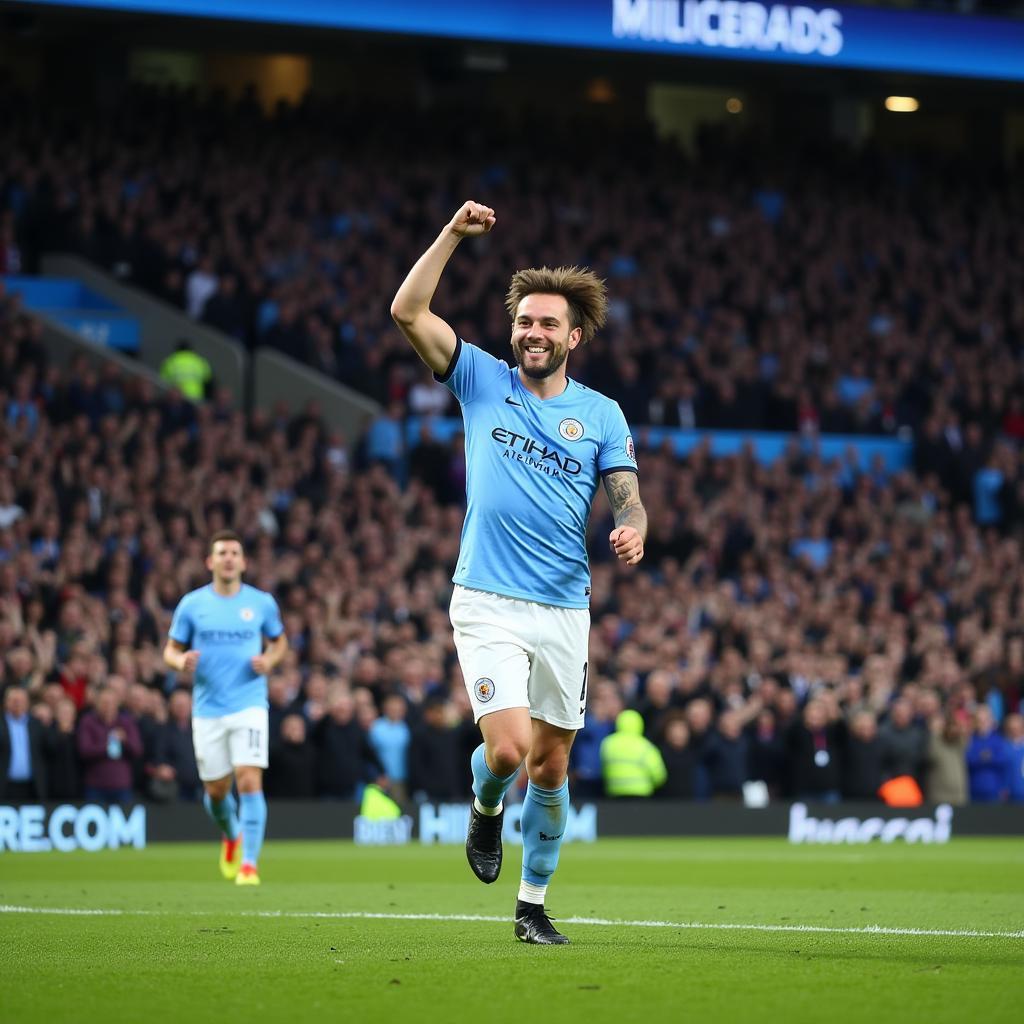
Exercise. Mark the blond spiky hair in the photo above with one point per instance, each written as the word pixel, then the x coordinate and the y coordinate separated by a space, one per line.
pixel 582 289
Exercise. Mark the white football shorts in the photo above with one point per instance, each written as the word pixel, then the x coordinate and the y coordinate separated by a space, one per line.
pixel 522 654
pixel 231 741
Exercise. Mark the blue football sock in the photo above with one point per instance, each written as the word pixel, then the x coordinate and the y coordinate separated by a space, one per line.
pixel 224 813
pixel 489 788
pixel 254 825
pixel 545 813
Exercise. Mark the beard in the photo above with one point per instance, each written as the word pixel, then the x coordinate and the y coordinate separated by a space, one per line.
pixel 556 359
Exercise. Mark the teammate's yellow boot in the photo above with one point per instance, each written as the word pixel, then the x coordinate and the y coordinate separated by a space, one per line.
pixel 230 857
pixel 247 875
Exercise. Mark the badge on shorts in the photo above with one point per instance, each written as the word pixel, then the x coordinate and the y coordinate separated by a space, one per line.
pixel 570 429
pixel 484 689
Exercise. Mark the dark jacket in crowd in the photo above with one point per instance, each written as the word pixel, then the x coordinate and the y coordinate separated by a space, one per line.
pixel 276 714
pixel 814 761
pixel 469 739
pixel 151 734
pixel 726 759
pixel 681 766
pixel 903 750
pixel 175 747
pixel 862 771
pixel 700 745
pixel 64 770
pixel 292 772
pixel 766 758
pixel 585 773
pixel 654 715
pixel 344 758
pixel 436 768
pixel 36 753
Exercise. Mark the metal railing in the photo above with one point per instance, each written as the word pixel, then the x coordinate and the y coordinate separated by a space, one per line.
pixel 277 378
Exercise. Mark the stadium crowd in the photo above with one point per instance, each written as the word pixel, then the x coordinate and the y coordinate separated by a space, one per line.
pixel 820 628
pixel 752 285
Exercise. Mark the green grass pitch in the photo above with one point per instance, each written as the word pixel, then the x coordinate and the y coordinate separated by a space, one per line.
pixel 717 930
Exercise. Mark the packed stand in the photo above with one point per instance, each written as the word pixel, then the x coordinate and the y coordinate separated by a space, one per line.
pixel 780 612
pixel 753 285
pixel 107 490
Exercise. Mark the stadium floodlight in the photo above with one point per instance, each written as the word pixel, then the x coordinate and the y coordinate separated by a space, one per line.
pixel 901 104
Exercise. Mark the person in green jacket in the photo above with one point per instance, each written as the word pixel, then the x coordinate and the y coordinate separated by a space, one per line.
pixel 632 765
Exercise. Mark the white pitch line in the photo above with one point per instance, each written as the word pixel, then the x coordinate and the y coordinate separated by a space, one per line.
pixel 343 915
pixel 71 911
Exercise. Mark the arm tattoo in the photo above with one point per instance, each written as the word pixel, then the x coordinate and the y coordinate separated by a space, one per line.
pixel 623 491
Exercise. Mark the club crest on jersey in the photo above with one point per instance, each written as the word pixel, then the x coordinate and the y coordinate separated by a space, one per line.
pixel 570 429
pixel 484 689
pixel 630 450
pixel 246 614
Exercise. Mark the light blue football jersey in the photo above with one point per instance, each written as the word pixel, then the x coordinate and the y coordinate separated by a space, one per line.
pixel 532 470
pixel 228 632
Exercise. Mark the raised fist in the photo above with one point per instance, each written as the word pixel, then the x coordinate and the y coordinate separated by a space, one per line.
pixel 472 219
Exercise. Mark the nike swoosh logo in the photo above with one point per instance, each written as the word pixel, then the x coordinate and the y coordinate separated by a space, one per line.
pixel 508 401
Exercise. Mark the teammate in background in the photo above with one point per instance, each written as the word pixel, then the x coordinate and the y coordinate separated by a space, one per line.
pixel 536 444
pixel 217 634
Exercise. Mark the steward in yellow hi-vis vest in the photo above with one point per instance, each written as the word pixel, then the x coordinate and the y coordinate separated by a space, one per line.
pixel 188 371
pixel 631 764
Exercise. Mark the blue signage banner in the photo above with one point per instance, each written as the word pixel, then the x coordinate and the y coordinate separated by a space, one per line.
pixel 849 37
pixel 70 303
pixel 857 453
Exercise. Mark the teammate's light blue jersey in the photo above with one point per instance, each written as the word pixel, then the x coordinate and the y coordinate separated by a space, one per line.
pixel 228 632
pixel 532 470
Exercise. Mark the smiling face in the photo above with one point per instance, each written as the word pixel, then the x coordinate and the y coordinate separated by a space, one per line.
pixel 542 336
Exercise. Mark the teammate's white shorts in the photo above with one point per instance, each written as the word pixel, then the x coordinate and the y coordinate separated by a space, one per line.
pixel 522 654
pixel 231 741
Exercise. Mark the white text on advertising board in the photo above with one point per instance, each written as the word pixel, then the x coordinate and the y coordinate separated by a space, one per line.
pixel 732 24
pixel 27 829
pixel 805 829
pixel 447 823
